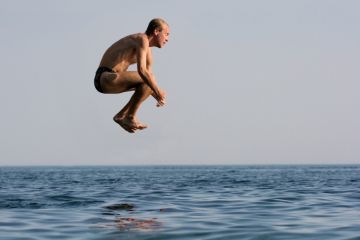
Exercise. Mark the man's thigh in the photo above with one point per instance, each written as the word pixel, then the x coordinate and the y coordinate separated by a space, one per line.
pixel 120 82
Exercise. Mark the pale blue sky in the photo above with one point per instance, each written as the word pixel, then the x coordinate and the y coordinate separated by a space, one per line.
pixel 248 82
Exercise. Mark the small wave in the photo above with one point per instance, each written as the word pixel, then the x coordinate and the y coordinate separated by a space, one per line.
pixel 64 200
pixel 47 201
pixel 19 203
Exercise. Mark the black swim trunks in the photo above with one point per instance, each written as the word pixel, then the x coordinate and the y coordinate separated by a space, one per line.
pixel 98 73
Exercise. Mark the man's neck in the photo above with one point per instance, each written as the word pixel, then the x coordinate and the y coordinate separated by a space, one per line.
pixel 151 40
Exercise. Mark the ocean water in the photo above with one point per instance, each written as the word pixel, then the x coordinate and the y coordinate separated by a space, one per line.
pixel 180 202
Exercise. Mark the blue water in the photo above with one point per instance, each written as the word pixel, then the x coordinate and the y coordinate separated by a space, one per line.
pixel 182 202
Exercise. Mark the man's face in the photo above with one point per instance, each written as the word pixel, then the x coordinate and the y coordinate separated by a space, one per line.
pixel 163 36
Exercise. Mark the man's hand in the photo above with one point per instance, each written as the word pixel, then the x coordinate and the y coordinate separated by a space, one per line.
pixel 161 98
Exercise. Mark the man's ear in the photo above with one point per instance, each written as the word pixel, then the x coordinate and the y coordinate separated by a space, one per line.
pixel 157 31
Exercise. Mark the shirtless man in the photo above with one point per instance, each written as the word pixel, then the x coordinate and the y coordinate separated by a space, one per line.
pixel 112 75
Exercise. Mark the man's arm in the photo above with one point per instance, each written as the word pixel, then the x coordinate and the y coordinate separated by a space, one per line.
pixel 144 70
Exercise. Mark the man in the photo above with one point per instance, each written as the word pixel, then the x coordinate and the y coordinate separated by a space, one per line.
pixel 112 75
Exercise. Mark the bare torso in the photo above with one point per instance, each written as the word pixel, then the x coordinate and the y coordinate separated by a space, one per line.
pixel 123 53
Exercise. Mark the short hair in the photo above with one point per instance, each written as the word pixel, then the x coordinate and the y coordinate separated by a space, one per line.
pixel 154 24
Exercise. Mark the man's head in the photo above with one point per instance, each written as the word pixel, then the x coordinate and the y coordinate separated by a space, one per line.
pixel 159 30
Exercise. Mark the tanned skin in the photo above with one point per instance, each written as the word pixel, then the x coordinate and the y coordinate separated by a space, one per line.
pixel 135 48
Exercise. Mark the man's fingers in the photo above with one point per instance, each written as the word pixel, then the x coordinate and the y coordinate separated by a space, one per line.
pixel 160 103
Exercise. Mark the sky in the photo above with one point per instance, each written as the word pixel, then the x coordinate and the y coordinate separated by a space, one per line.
pixel 247 82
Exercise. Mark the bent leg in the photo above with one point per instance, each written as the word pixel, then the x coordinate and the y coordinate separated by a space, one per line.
pixel 120 82
pixel 123 82
pixel 127 116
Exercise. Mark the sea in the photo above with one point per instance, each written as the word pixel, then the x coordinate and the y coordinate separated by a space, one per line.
pixel 319 202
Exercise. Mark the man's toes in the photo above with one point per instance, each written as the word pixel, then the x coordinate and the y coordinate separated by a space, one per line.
pixel 127 127
pixel 142 126
pixel 131 128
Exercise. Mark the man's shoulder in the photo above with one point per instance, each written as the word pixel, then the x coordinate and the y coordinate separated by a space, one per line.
pixel 138 38
pixel 135 37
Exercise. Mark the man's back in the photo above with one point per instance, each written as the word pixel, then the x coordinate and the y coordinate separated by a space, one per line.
pixel 122 53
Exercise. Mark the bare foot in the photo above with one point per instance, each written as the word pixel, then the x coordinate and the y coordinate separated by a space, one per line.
pixel 127 124
pixel 140 125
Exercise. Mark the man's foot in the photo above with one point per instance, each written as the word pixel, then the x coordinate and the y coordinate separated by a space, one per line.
pixel 130 124
pixel 140 125
pixel 127 124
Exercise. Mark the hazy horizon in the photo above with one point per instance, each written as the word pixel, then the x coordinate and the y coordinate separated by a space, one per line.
pixel 186 165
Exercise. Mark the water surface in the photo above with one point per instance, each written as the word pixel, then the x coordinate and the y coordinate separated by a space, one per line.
pixel 180 202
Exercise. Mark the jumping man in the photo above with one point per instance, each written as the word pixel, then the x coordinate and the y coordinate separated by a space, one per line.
pixel 112 75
